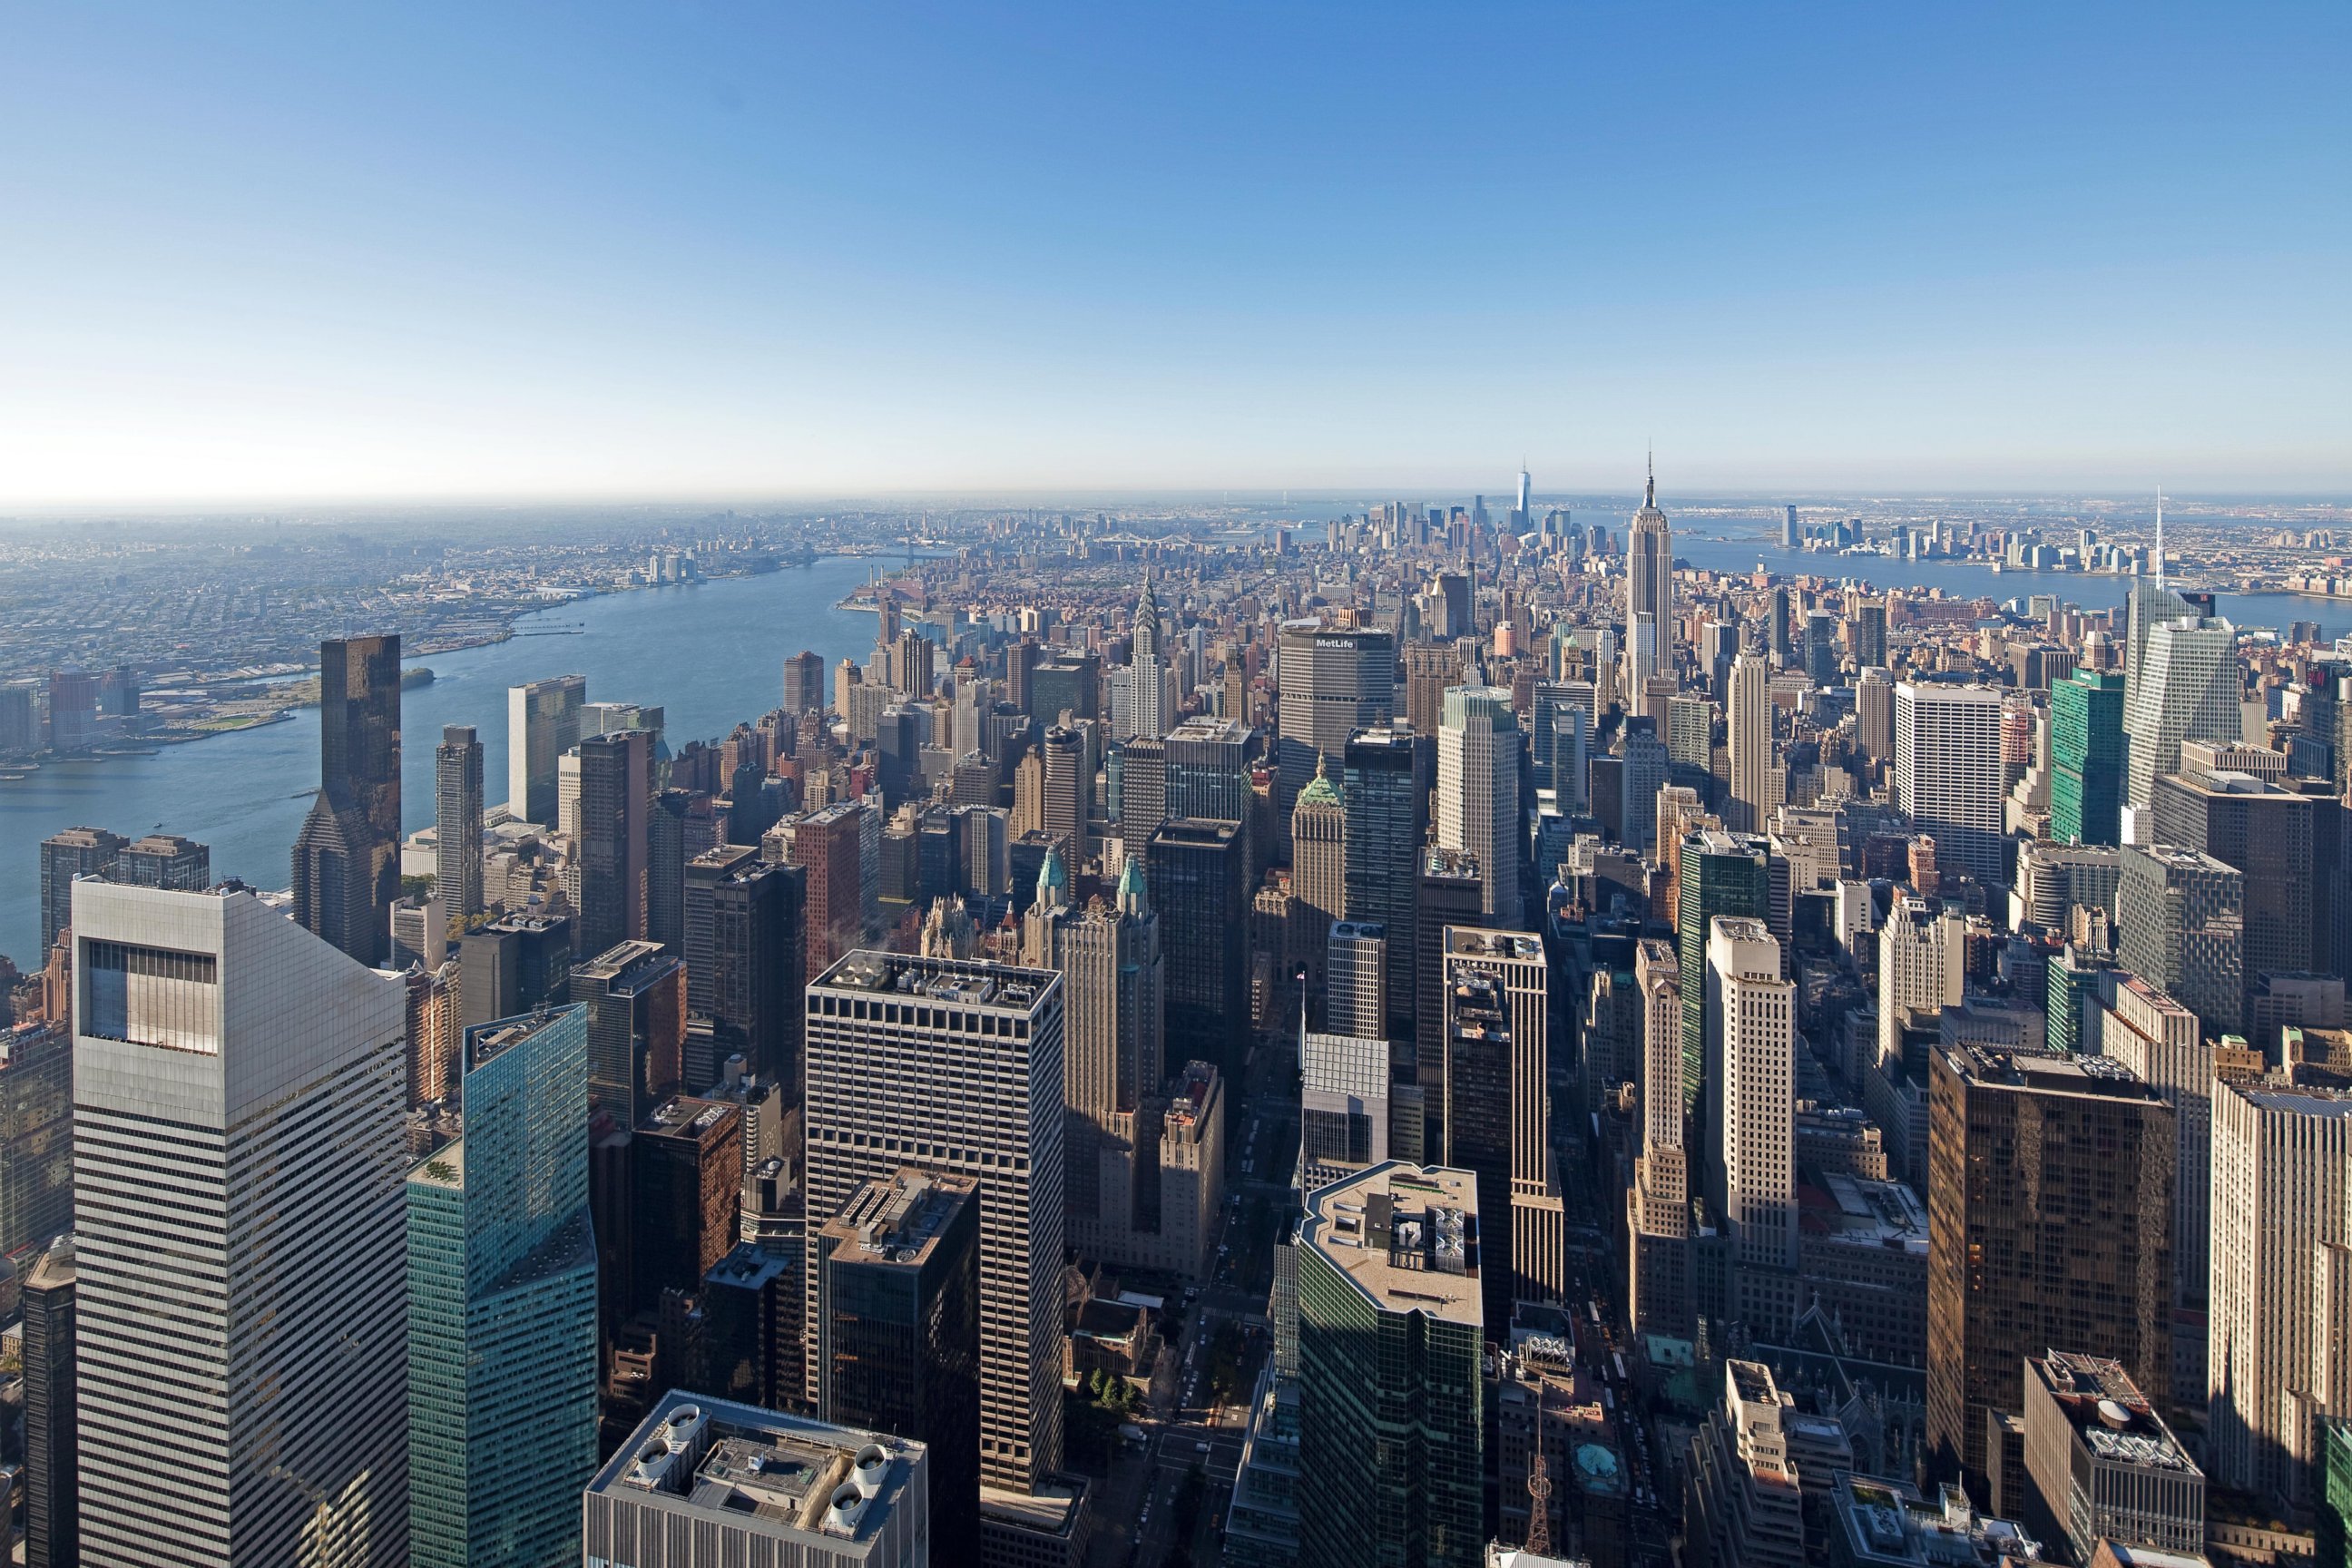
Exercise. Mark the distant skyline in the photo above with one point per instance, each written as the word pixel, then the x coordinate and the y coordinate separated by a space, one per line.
pixel 278 254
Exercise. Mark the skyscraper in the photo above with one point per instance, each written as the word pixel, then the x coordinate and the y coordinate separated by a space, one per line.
pixel 511 965
pixel 635 997
pixel 502 1306
pixel 166 860
pixel 885 1034
pixel 825 843
pixel 803 683
pixel 1113 1039
pixel 1478 791
pixel 1390 1444
pixel 2282 1281
pixel 76 852
pixel 2287 844
pixel 1208 770
pixel 347 856
pixel 609 838
pixel 1947 775
pixel 543 723
pixel 2184 687
pixel 209 1025
pixel 1649 580
pixel 1200 884
pixel 1718 874
pixel 898 1327
pixel 1146 687
pixel 1751 1182
pixel 457 827
pixel 1385 798
pixel 1749 733
pixel 1496 1110
pixel 1318 860
pixel 1658 1284
pixel 1356 979
pixel 1331 683
pixel 2181 916
pixel 744 958
pixel 52 1514
pixel 2086 758
pixel 2049 1217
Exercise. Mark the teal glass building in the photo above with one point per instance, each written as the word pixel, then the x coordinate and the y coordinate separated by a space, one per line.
pixel 502 1308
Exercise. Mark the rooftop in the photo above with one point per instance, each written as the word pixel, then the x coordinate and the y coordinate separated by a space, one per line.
pixel 1482 942
pixel 1406 1235
pixel 2109 1414
pixel 741 1464
pixel 961 982
pixel 897 1219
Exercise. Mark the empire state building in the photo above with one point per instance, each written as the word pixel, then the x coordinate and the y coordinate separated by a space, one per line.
pixel 1649 593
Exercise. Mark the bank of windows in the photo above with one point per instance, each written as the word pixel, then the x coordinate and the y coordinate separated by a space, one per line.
pixel 151 996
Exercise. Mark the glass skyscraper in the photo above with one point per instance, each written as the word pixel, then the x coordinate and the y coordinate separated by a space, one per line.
pixel 2086 758
pixel 502 1307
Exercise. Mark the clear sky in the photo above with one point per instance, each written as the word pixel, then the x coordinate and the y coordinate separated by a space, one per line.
pixel 673 250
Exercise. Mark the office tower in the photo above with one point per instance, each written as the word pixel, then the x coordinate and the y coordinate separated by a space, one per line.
pixel 898 766
pixel 2160 1041
pixel 1494 1110
pixel 2184 688
pixel 803 683
pixel 1065 687
pixel 543 723
pixel 2282 1285
pixel 1143 789
pixel 1690 725
pixel 502 1306
pixel 2180 917
pixel 1356 984
pixel 1750 742
pixel 2049 1220
pixel 1790 538
pixel 1657 1204
pixel 1447 892
pixel 511 965
pixel 897 1327
pixel 686 1188
pixel 609 838
pixel 744 961
pixel 1350 1118
pixel 671 833
pixel 1192 1155
pixel 1643 775
pixel 210 1025
pixel 1429 669
pixel 52 1524
pixel 636 996
pixel 2287 846
pixel 1200 882
pixel 1870 633
pixel 1752 1184
pixel 747 1485
pixel 1068 798
pixel 2086 758
pixel 1874 707
pixel 1318 860
pixel 1922 967
pixel 1391 1441
pixel 914 664
pixel 1478 791
pixel 1113 1021
pixel 1207 770
pixel 825 843
pixel 1522 522
pixel 2100 1463
pixel 1717 874
pixel 1742 1501
pixel 885 1034
pixel 347 856
pixel 36 1195
pixel 1385 800
pixel 1650 577
pixel 1146 704
pixel 1331 682
pixel 457 827
pixel 164 860
pixel 20 718
pixel 76 852
pixel 1777 632
pixel 1948 775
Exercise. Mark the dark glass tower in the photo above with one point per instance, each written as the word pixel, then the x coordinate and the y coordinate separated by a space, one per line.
pixel 898 1327
pixel 1387 795
pixel 610 841
pixel 744 958
pixel 1199 875
pixel 52 1525
pixel 347 857
pixel 2086 758
pixel 1720 874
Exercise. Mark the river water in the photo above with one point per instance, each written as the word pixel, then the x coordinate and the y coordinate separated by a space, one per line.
pixel 711 654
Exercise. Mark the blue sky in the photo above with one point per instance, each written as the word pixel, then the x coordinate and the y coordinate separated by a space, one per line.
pixel 676 251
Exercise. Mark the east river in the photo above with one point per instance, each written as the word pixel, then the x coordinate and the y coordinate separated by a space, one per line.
pixel 710 654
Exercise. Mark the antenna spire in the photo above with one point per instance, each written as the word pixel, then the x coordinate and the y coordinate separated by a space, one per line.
pixel 1650 493
pixel 2160 536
